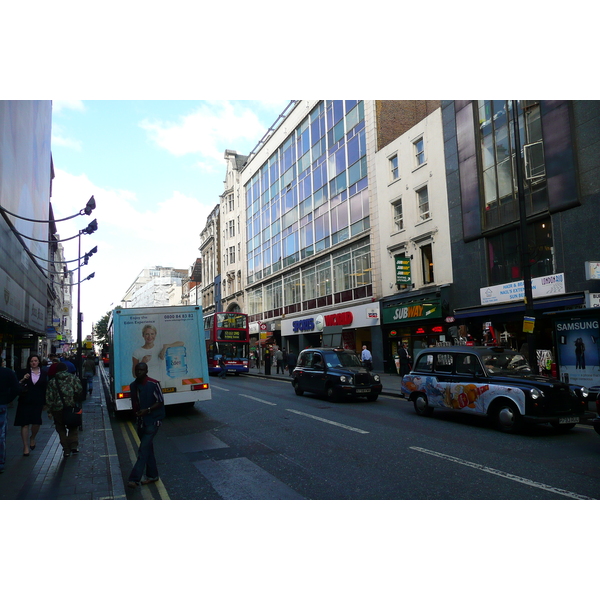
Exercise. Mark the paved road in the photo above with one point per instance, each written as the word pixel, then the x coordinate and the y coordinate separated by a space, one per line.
pixel 257 440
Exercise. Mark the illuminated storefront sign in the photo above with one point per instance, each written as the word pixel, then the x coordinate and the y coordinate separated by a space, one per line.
pixel 412 312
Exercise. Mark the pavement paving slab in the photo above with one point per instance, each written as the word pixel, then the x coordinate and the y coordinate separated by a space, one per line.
pixel 91 474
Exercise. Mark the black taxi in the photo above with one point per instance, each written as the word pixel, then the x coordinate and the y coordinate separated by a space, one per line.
pixel 335 373
pixel 495 382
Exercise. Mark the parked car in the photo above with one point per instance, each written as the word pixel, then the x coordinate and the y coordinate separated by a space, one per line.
pixel 335 373
pixel 494 382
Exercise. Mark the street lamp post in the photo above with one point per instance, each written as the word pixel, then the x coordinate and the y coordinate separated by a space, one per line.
pixel 93 226
pixel 523 241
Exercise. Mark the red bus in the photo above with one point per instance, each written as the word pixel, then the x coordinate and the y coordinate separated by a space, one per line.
pixel 227 334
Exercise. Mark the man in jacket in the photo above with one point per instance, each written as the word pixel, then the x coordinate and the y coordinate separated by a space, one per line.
pixel 149 408
pixel 279 360
pixel 62 392
pixel 9 390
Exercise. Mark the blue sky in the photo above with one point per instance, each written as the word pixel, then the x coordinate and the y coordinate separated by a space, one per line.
pixel 156 170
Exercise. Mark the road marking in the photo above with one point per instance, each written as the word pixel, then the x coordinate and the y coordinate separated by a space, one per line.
pixel 297 412
pixel 218 387
pixel 258 399
pixel 516 478
pixel 146 493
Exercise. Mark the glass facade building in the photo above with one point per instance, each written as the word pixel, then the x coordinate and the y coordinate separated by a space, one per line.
pixel 310 198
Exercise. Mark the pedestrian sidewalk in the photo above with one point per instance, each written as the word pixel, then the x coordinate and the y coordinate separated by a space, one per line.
pixel 391 382
pixel 91 474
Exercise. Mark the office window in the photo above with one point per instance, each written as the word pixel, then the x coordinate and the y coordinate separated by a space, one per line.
pixel 423 200
pixel 394 167
pixel 427 261
pixel 291 289
pixel 497 160
pixel 397 215
pixel 419 152
pixel 504 261
pixel 309 283
pixel 323 277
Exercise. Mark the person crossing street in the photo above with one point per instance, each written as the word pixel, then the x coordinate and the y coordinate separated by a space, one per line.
pixel 149 408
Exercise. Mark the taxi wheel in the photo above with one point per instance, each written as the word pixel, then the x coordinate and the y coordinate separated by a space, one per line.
pixel 299 391
pixel 330 393
pixel 507 417
pixel 422 406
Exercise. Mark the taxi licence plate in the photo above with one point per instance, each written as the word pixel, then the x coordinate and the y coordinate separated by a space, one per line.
pixel 366 391
pixel 563 420
pixel 168 390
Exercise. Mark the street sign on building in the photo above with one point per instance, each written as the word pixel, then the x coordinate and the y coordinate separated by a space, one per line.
pixel 403 276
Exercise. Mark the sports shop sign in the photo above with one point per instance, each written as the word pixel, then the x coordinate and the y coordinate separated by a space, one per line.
pixel 363 316
pixel 317 323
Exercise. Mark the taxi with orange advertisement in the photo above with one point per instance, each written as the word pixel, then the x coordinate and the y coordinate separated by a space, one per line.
pixel 495 382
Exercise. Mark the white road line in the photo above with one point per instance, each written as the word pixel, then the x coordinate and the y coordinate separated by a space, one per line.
pixel 258 400
pixel 326 421
pixel 218 387
pixel 516 478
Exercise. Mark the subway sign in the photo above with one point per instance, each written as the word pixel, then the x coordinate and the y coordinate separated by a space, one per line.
pixel 403 275
pixel 412 312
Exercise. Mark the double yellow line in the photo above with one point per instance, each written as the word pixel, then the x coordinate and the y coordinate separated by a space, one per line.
pixel 129 433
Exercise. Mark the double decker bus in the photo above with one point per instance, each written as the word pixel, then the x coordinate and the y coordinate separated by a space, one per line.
pixel 227 335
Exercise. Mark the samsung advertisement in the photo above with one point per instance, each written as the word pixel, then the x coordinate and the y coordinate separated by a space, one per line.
pixel 577 341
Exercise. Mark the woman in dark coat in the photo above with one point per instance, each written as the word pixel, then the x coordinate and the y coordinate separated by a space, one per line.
pixel 31 401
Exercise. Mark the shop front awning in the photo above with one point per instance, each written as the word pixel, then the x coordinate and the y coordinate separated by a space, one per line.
pixel 539 304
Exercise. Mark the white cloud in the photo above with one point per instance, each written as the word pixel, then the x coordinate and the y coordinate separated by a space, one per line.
pixel 60 105
pixel 213 127
pixel 131 236
pixel 58 139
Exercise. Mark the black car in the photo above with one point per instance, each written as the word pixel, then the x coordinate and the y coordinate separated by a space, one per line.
pixel 335 373
pixel 495 382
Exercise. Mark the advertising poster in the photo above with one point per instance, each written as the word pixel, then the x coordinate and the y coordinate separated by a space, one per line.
pixel 578 350
pixel 167 342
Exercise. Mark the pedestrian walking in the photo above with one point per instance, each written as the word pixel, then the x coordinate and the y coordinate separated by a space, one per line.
pixel 52 364
pixel 9 390
pixel 149 408
pixel 223 365
pixel 268 361
pixel 405 358
pixel 89 371
pixel 62 392
pixel 278 360
pixel 367 358
pixel 31 402
pixel 71 368
pixel 291 360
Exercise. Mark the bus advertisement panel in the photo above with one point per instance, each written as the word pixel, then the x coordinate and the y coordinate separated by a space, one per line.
pixel 170 341
pixel 227 335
